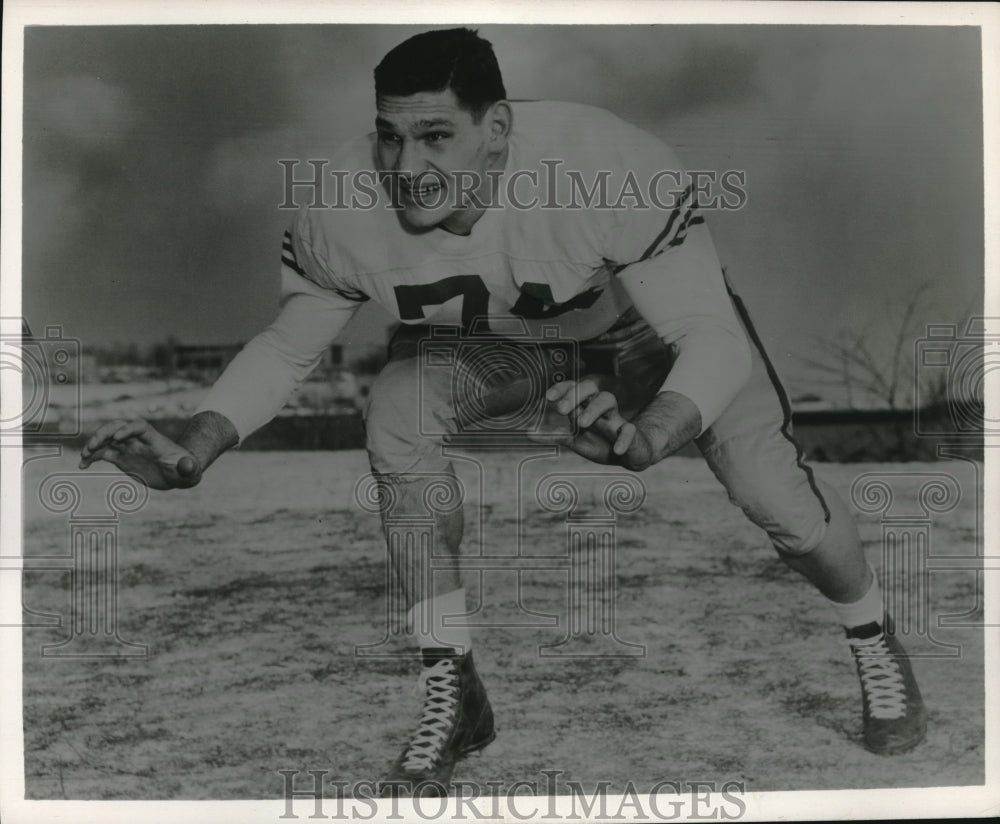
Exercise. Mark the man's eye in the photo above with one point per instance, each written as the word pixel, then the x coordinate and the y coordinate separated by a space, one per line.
pixel 436 137
pixel 388 137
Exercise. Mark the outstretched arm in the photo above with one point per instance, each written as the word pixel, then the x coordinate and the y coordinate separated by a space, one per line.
pixel 137 448
pixel 249 393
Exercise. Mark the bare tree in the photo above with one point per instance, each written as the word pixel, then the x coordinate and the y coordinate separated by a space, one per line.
pixel 874 365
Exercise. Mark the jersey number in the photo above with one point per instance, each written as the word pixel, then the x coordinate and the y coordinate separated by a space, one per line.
pixel 536 300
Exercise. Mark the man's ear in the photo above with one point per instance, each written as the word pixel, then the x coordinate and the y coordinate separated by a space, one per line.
pixel 500 120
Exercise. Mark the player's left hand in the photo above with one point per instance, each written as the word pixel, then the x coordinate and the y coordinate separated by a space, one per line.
pixel 136 448
pixel 603 436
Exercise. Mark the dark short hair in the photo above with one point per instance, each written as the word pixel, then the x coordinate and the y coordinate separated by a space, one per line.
pixel 433 61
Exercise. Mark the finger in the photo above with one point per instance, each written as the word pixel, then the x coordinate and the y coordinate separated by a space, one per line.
pixel 559 390
pixel 591 446
pixel 551 438
pixel 626 435
pixel 610 424
pixel 104 453
pixel 601 404
pixel 101 435
pixel 187 467
pixel 92 457
pixel 130 430
pixel 584 389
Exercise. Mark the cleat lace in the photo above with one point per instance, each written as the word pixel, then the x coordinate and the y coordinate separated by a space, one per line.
pixel 881 679
pixel 439 683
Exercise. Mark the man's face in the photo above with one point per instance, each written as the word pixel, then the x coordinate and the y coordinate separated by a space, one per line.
pixel 436 149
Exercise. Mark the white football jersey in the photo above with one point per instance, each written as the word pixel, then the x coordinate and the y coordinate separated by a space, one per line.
pixel 541 253
pixel 593 215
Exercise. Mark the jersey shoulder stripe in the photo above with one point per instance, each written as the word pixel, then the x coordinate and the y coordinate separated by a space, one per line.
pixel 683 216
pixel 288 255
pixel 291 260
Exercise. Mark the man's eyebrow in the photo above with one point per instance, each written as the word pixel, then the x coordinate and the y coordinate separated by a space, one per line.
pixel 382 123
pixel 436 121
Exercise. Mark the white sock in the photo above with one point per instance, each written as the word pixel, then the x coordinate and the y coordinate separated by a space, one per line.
pixel 866 610
pixel 426 622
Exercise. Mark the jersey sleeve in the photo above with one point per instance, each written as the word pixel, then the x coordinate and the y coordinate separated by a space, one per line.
pixel 305 251
pixel 667 262
pixel 258 381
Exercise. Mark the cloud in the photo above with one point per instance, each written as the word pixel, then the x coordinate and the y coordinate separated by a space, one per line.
pixel 707 75
pixel 848 134
pixel 244 171
pixel 642 73
pixel 74 125
pixel 81 109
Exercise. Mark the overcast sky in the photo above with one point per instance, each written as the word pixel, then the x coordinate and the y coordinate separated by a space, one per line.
pixel 151 182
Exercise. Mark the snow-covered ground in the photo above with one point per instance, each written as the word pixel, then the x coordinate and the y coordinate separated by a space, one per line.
pixel 92 403
pixel 254 589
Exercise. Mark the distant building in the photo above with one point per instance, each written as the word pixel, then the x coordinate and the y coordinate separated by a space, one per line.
pixel 208 360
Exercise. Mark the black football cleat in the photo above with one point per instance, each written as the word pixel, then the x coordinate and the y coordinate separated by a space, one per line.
pixel 456 720
pixel 895 719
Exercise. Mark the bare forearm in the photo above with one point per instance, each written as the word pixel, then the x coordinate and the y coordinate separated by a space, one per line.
pixel 208 435
pixel 668 423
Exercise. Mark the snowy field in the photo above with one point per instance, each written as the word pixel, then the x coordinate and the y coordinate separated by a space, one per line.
pixel 253 590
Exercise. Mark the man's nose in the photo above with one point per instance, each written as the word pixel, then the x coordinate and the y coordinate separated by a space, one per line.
pixel 409 163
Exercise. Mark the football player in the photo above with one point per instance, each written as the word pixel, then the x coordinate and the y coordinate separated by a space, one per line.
pixel 475 220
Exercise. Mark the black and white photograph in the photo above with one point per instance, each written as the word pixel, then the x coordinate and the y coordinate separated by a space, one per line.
pixel 573 413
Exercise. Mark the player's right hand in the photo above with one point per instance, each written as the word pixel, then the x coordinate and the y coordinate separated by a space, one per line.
pixel 604 435
pixel 137 448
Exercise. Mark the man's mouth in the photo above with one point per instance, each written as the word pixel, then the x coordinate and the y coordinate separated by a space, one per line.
pixel 424 192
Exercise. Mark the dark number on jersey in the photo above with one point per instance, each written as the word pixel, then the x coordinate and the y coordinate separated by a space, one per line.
pixel 536 299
